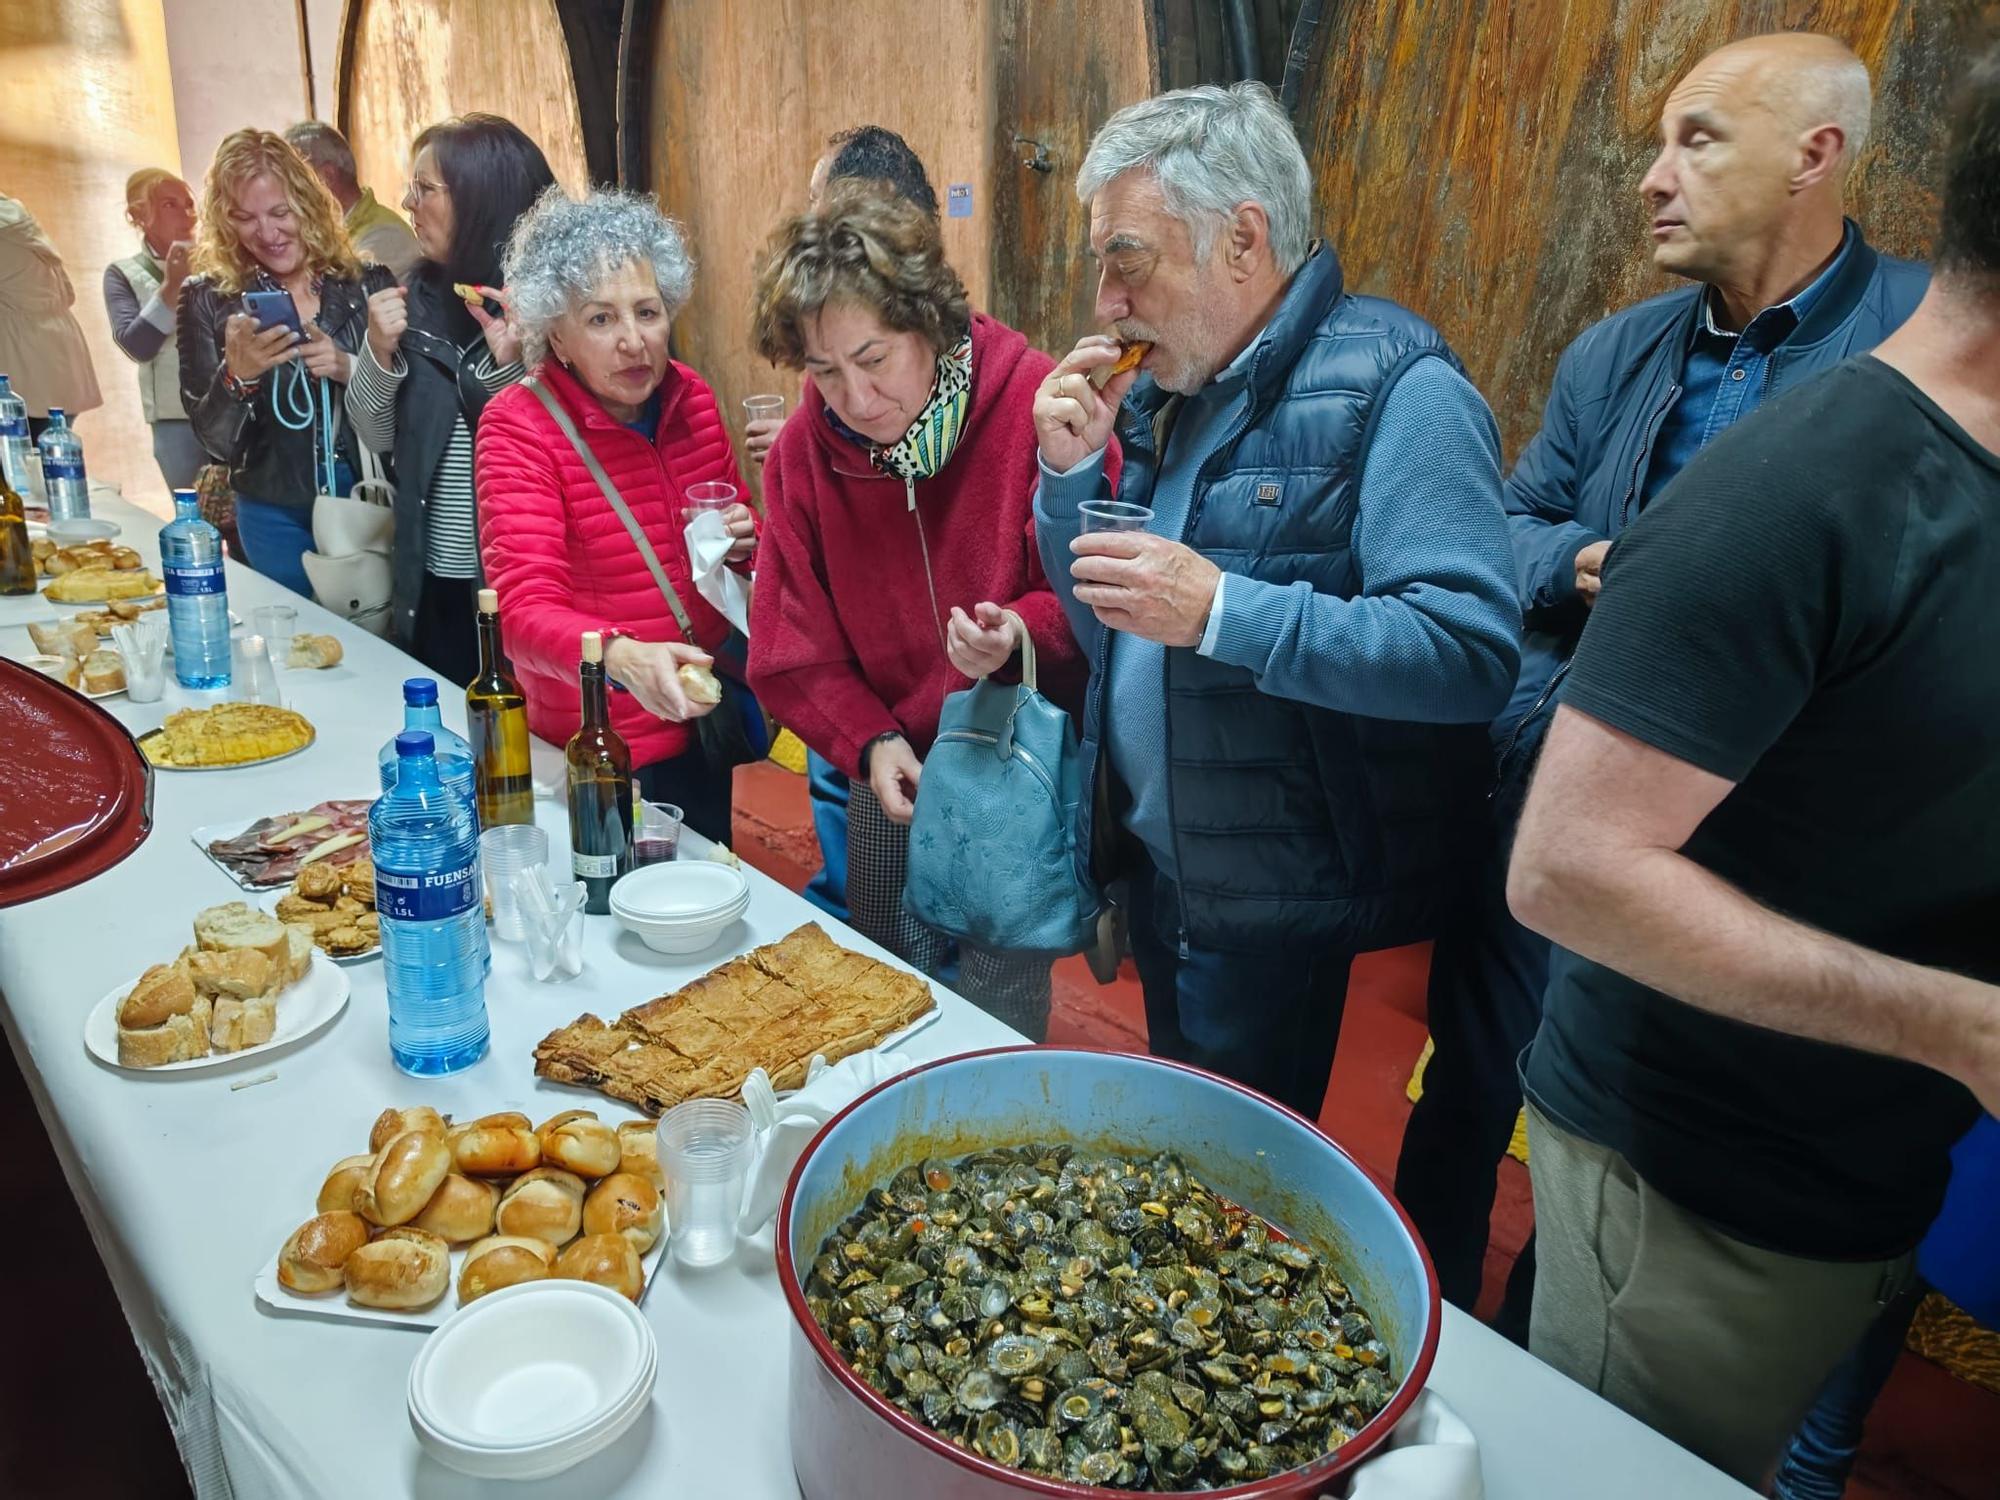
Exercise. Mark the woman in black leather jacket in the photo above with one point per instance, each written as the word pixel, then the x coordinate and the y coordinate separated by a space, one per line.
pixel 428 365
pixel 268 403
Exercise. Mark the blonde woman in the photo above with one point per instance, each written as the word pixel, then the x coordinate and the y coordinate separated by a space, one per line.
pixel 142 295
pixel 265 399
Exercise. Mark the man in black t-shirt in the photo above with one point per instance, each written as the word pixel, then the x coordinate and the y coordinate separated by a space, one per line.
pixel 1766 829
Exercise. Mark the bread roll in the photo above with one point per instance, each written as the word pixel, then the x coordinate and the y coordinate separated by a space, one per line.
pixel 405 1268
pixel 699 683
pixel 503 1260
pixel 639 1151
pixel 337 1192
pixel 126 557
pixel 240 974
pixel 577 1140
pixel 235 924
pixel 317 1249
pixel 237 1024
pixel 394 1122
pixel 402 1178
pixel 178 1039
pixel 163 991
pixel 496 1146
pixel 314 651
pixel 545 1204
pixel 624 1203
pixel 607 1259
pixel 460 1211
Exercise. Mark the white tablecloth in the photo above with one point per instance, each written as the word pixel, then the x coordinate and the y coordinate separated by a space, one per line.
pixel 189 1186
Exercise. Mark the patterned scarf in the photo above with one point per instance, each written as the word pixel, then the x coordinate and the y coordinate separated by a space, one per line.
pixel 927 447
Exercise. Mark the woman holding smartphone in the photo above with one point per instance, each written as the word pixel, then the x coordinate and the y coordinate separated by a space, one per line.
pixel 432 358
pixel 268 329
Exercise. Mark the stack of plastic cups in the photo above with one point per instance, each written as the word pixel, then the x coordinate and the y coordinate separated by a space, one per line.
pixel 705 1147
pixel 504 850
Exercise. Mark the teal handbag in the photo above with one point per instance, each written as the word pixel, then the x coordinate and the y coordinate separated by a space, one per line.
pixel 993 856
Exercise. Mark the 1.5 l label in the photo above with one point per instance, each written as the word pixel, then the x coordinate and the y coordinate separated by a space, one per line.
pixel 62 468
pixel 198 580
pixel 418 896
pixel 593 866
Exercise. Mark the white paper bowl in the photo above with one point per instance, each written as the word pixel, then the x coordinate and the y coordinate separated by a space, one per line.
pixel 532 1375
pixel 682 937
pixel 679 892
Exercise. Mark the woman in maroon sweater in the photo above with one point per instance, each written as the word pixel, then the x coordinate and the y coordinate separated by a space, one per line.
pixel 899 526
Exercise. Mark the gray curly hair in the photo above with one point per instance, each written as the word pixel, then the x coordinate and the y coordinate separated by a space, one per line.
pixel 561 250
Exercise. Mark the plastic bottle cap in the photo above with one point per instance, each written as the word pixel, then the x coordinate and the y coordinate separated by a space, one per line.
pixel 593 646
pixel 414 742
pixel 489 601
pixel 420 692
pixel 54 412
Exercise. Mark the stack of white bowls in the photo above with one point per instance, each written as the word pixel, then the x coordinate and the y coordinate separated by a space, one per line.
pixel 532 1379
pixel 682 906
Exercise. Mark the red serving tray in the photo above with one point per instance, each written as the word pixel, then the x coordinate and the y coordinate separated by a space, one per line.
pixel 76 795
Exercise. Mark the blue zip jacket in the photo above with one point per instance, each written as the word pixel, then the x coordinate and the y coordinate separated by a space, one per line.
pixel 1581 478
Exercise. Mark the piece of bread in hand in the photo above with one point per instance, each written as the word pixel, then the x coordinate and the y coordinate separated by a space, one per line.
pixel 700 683
pixel 243 1023
pixel 177 1039
pixel 314 652
pixel 237 924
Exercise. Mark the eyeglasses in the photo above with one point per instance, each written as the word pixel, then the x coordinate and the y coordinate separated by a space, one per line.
pixel 420 190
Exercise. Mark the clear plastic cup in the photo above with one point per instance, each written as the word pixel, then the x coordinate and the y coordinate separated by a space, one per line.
pixel 277 623
pixel 503 851
pixel 1114 515
pixel 715 495
pixel 252 677
pixel 705 1154
pixel 764 408
pixel 657 839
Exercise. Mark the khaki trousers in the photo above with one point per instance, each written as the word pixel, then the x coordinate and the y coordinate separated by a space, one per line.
pixel 1719 1345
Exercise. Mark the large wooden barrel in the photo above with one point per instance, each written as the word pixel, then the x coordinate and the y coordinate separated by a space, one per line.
pixel 1480 162
pixel 741 100
pixel 406 64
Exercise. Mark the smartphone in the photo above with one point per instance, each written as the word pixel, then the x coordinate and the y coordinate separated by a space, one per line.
pixel 271 309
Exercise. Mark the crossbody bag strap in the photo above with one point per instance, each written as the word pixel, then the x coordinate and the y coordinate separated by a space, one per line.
pixel 632 527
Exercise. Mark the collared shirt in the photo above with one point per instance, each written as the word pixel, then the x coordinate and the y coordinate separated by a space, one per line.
pixel 1726 375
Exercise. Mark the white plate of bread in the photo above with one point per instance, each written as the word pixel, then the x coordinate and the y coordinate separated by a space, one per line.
pixel 435 1214
pixel 248 984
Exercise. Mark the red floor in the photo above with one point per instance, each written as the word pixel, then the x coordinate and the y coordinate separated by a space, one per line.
pixel 1932 1436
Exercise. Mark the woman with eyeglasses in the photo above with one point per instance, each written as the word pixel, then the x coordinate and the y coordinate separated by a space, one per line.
pixel 431 361
pixel 265 398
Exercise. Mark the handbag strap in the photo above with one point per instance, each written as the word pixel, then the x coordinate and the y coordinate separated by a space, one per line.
pixel 624 511
pixel 1027 650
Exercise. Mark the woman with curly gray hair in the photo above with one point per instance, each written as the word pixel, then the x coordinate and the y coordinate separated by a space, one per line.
pixel 593 287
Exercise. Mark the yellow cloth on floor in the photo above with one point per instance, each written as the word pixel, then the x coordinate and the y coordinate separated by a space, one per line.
pixel 1414 1089
pixel 789 751
pixel 1946 1335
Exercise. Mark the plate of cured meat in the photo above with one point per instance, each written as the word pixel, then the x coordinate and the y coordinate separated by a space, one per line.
pixel 271 851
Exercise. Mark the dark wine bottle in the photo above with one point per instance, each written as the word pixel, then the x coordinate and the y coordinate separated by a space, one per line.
pixel 496 721
pixel 600 788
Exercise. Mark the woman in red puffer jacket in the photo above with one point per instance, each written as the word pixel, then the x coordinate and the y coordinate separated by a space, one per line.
pixel 899 526
pixel 594 287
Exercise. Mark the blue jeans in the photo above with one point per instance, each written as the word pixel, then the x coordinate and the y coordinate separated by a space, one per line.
pixel 1821 1454
pixel 828 789
pixel 274 538
pixel 1268 1019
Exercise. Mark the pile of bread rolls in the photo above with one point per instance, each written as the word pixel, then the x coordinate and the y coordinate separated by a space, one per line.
pixel 221 995
pixel 574 1197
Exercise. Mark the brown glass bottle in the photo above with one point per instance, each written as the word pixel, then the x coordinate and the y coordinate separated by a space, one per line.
pixel 17 553
pixel 600 788
pixel 496 722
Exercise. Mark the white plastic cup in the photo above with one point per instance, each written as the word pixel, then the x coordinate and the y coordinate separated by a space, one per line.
pixel 1113 515
pixel 503 851
pixel 705 1154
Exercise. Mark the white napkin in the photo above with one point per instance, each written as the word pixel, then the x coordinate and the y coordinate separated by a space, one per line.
pixel 1432 1455
pixel 708 544
pixel 784 1126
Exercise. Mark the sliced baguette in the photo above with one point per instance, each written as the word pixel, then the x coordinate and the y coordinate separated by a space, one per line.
pixel 180 1039
pixel 243 1023
pixel 237 924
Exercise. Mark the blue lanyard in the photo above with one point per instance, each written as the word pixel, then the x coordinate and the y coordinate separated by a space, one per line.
pixel 298 406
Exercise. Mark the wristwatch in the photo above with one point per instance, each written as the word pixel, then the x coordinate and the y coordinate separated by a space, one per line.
pixel 868 749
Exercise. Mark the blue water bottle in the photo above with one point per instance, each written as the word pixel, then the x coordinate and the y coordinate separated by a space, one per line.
pixel 14 439
pixel 454 751
pixel 62 470
pixel 425 846
pixel 197 595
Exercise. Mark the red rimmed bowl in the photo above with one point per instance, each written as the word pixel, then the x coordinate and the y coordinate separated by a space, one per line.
pixel 848 1443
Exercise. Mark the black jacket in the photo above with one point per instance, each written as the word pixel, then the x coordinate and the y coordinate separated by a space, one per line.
pixel 267 460
pixel 1581 478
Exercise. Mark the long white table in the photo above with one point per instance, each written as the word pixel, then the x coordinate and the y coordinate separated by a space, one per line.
pixel 189 1185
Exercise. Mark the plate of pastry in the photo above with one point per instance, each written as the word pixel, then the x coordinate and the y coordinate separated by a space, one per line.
pixel 436 1213
pixel 226 736
pixel 338 903
pixel 249 983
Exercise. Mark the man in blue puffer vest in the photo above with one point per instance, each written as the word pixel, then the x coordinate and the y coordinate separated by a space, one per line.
pixel 1293 663
pixel 1744 200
